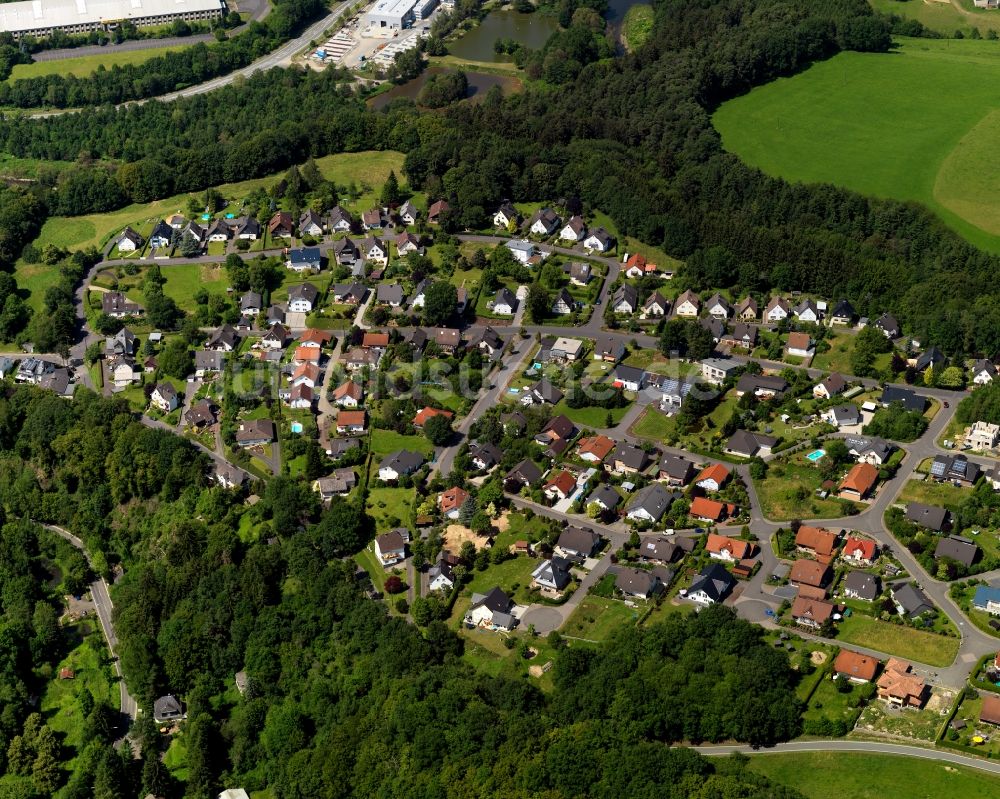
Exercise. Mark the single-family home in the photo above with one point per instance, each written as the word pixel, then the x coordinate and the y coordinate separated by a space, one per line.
pixel 817 541
pixel 650 503
pixel 504 303
pixel 372 219
pixel 167 708
pixel 861 585
pixel 847 415
pixel 441 576
pixel 899 686
pixel 506 216
pixel 954 469
pixel 224 339
pixel 889 326
pixel 255 432
pixel 594 449
pixel 161 236
pixel 346 252
pixel 800 345
pixel 281 226
pixel 806 311
pixel 247 228
pixel 659 549
pixel 340 220
pixel 676 470
pixel 448 339
pixel 982 435
pixel 843 313
pixel 525 475
pixel 164 397
pixel 390 548
pixel 485 455
pixel 408 213
pixel 304 259
pixel 577 544
pixel 450 502
pixel 118 306
pixel 491 611
pixel 906 397
pixel 875 451
pixel 711 585
pixel 637 583
pixel 599 240
pixel 438 211
pixel 859 551
pixel 208 362
pixel 747 309
pixel 348 394
pixel 718 370
pixel 578 271
pixel 219 231
pixel 560 485
pixel 552 574
pixel 830 386
pixel 637 266
pixel 376 250
pixel 761 386
pixel 339 482
pixel 713 477
pixel 625 299
pixel 956 548
pixel 708 510
pixel 487 341
pixel 544 222
pixel 776 310
pixel 406 243
pixel 427 412
pixel 655 306
pixel 910 600
pixel 810 573
pixel 629 378
pixel 688 304
pixel 742 335
pixel 543 392
pixel 930 358
pixel 608 348
pixel 983 372
pixel 929 516
pixel 811 612
pixel 129 241
pixel 718 307
pixel 857 668
pixel 350 422
pixel 563 303
pixel 987 599
pixel 574 230
pixel 398 464
pixel 748 445
pixel 721 547
pixel 628 459
pixel 310 223
pixel 605 497
pixel 201 414
pixel 522 250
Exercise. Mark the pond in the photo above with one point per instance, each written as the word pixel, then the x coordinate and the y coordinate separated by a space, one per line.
pixel 531 30
pixel 479 84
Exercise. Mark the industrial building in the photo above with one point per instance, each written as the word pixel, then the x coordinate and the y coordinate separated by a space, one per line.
pixel 41 18
pixel 399 14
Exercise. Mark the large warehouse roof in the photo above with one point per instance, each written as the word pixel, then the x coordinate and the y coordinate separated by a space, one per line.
pixel 29 15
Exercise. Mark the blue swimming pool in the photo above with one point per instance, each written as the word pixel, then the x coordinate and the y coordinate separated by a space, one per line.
pixel 296 427
pixel 815 455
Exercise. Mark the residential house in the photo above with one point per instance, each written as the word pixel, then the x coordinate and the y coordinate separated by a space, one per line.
pixel 307 355
pixel 487 341
pixel 762 386
pixel 306 374
pixel 161 236
pixel 441 575
pixel 544 222
pixel 301 397
pixel 247 228
pixel 522 250
pixel 491 611
pixel 346 252
pixel 889 326
pixel 543 392
pixel 578 271
pixel 123 342
pixel 599 240
pixel 281 225
pixel 721 547
pixel 207 362
pixel 563 303
pixel 747 309
pixel 605 497
pixel 956 548
pixel 506 217
pixel 928 516
pixel 437 210
pixel 875 451
pixel 861 585
pixel 349 293
pixel 899 686
pixel 304 259
pixel 390 548
pixel 349 422
pixel 637 583
pixel 817 541
pixel 776 310
pixel 648 504
pixel 858 482
pixel 676 471
pixel 594 449
pixel 201 414
pixel 310 224
pixel 525 475
pixel 390 294
pixel 224 339
pixel 371 219
pixel 708 510
pixel 983 372
pixel 129 241
pixel 406 243
pixel 749 445
pixel 800 345
pixel 551 575
pixel 987 599
pixel 859 551
pixel 806 311
pixel 450 502
pixel 255 432
pixel 718 370
pixel 629 459
pixel 311 337
pixel 348 394
pixel 574 230
pixel 810 573
pixel 830 386
pixel 164 397
pixel 340 220
pixel 504 303
pixel 625 300
pixel 427 412
pixel 560 485
pixel 485 455
pixel 982 436
pixel 608 348
pixel 448 339
pixel 930 358
pixel 398 464
pixel 375 340
pixel 629 378
pixel 711 585
pixel 743 336
pixel 655 306
pixel 718 307
pixel 339 482
pixel 229 476
pixel 376 250
pixel 671 390
pixel 687 305
pixel 713 477
pixel 565 349
pixel 219 231
pixel 989 712
pixel 118 306
pixel 909 399
pixel 843 313
pixel 714 326
pixel 910 600
pixel 955 469
pixel 167 708
pixel 842 415
pixel 122 369
pixel 857 668
pixel 659 550
pixel 250 303
pixel 637 266
pixel 408 213
pixel 577 544
pixel 811 613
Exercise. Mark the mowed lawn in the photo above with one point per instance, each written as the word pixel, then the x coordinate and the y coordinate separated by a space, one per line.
pixel 908 125
pixel 895 639
pixel 835 775
pixel 87 65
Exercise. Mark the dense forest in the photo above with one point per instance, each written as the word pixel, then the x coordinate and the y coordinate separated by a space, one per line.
pixel 631 136
pixel 342 700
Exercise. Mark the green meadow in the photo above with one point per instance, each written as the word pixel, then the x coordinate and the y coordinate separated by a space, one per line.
pixel 914 124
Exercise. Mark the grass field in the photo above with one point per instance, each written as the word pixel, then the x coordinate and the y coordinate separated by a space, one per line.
pixel 789 492
pixel 895 639
pixel 927 141
pixel 86 65
pixel 831 775
pixel 941 16
pixel 390 507
pixel 385 441
pixel 944 495
pixel 597 618
pixel 592 416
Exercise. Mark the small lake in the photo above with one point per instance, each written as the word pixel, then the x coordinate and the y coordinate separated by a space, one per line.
pixel 531 30
pixel 479 84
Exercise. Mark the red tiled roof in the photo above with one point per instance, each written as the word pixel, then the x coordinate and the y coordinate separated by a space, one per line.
pixel 855 665
pixel 721 543
pixel 716 472
pixel 426 413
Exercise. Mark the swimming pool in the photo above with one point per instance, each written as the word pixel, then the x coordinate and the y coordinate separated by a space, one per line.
pixel 815 455
pixel 296 427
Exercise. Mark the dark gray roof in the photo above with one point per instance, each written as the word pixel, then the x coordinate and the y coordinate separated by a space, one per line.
pixel 631 456
pixel 929 516
pixel 743 442
pixel 677 467
pixel 402 461
pixel 303 291
pixel 630 374
pixel 167 707
pixel 489 454
pixel 579 541
pixel 714 581
pixel 391 293
pixel 660 549
pixel 636 582
pixel 958 549
pixel 607 345
pixel 751 383
pixel 606 495
pixel 932 356
pixel 909 399
pixel 862 584
pixel 494 599
pixel 888 324
pixel 525 472
pixel 911 599
pixel 955 467
pixel 546 391
pixel 626 293
pixel 844 310
pixel 654 499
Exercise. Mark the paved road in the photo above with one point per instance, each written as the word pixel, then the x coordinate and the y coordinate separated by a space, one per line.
pixel 105 609
pixel 866 747
pixel 126 46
